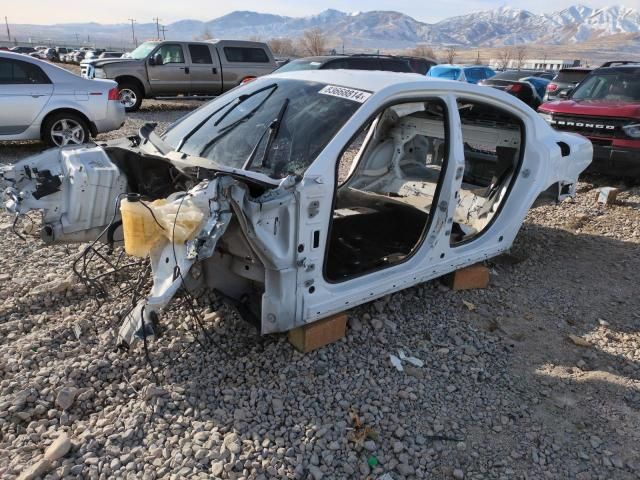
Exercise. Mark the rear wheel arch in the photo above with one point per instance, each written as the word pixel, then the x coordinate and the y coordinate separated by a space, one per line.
pixel 92 127
pixel 73 114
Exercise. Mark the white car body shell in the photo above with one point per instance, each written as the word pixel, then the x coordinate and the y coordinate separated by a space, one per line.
pixel 296 291
pixel 32 103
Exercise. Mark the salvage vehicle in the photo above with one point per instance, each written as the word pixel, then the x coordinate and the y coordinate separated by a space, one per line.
pixel 41 101
pixel 171 68
pixel 461 73
pixel 605 108
pixel 566 80
pixel 302 194
pixel 530 90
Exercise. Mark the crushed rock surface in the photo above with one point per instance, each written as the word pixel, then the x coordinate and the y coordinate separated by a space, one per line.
pixel 504 391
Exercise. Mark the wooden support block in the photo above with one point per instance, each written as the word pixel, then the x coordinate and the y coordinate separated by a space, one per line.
pixel 318 334
pixel 475 276
pixel 607 195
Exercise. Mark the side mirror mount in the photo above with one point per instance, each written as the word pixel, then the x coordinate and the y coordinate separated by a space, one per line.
pixel 155 60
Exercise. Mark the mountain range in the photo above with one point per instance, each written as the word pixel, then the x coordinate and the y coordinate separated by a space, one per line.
pixel 374 29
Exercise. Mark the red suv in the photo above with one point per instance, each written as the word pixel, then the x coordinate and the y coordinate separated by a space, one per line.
pixel 604 107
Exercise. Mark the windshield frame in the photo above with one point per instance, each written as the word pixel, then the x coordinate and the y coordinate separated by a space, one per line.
pixel 297 163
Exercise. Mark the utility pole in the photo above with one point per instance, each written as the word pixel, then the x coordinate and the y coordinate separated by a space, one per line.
pixel 7 24
pixel 163 29
pixel 157 27
pixel 133 32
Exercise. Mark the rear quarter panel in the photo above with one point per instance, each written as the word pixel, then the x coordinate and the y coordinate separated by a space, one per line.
pixel 89 97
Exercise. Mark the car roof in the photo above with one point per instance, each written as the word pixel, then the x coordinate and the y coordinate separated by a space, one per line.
pixel 630 68
pixel 369 80
pixel 376 80
pixel 55 73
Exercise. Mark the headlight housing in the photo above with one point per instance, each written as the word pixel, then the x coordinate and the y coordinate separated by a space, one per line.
pixel 99 73
pixel 632 130
pixel 547 117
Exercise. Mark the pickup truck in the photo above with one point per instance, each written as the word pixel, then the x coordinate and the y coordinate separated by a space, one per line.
pixel 171 68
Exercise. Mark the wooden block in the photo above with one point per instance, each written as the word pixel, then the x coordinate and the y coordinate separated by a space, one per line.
pixel 318 334
pixel 607 195
pixel 475 276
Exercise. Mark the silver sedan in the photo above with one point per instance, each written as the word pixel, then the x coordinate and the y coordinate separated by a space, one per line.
pixel 40 101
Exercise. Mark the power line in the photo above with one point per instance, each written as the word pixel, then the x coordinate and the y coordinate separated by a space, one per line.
pixel 7 24
pixel 163 29
pixel 133 31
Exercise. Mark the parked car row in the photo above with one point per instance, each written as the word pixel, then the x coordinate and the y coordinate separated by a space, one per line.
pixel 79 56
pixel 65 54
pixel 602 104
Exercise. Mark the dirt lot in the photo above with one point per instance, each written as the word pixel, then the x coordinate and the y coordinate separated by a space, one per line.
pixel 504 393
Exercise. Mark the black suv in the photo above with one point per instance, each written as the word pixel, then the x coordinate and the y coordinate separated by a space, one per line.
pixel 350 62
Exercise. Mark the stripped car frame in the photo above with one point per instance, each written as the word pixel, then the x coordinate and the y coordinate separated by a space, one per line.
pixel 411 179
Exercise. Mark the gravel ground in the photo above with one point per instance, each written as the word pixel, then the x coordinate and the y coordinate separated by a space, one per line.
pixel 537 376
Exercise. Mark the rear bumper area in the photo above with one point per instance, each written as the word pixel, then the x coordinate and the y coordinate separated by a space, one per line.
pixel 114 118
pixel 616 161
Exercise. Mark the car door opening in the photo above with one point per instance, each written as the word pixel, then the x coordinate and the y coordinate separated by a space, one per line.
pixel 493 140
pixel 381 211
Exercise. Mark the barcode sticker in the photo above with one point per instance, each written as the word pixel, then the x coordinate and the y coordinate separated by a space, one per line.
pixel 348 93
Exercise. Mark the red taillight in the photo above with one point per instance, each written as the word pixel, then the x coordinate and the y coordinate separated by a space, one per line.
pixel 515 88
pixel 552 87
pixel 113 94
pixel 247 80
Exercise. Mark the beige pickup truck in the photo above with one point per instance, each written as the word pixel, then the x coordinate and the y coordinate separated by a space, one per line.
pixel 172 68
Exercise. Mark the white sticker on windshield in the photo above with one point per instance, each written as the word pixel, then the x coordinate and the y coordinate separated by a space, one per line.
pixel 348 93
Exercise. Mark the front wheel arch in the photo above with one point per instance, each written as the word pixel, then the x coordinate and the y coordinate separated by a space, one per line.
pixel 137 89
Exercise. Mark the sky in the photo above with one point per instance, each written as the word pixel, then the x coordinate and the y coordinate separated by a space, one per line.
pixel 117 11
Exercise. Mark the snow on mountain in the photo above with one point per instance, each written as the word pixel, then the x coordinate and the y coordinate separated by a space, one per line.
pixel 381 29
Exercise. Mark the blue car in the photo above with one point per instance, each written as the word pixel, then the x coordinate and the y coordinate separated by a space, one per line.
pixel 461 73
